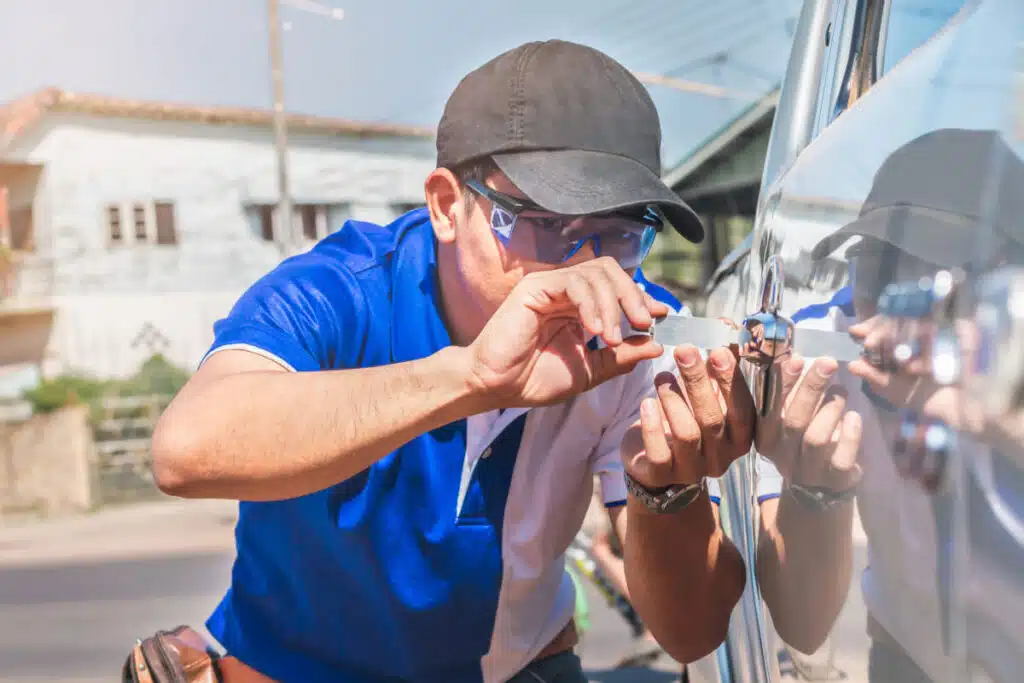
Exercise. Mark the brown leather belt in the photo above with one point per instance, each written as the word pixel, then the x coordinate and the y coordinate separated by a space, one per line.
pixel 234 671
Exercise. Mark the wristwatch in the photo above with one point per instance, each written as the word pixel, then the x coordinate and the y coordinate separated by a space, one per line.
pixel 818 498
pixel 667 499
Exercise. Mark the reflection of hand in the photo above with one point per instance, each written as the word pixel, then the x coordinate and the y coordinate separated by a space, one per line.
pixel 912 385
pixel 809 435
pixel 695 428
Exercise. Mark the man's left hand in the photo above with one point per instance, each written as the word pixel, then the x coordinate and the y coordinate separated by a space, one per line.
pixel 700 422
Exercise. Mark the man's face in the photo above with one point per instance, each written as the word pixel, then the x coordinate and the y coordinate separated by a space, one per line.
pixel 488 266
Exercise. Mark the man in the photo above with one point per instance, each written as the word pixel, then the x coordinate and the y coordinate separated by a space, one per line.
pixel 411 414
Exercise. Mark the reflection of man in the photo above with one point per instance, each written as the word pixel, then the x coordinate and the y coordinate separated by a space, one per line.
pixel 930 208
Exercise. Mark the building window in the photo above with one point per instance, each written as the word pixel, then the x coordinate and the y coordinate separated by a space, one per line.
pixel 309 215
pixel 151 223
pixel 316 221
pixel 166 231
pixel 266 221
pixel 114 224
pixel 139 218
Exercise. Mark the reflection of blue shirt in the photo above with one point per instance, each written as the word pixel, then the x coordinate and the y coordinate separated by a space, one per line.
pixel 842 299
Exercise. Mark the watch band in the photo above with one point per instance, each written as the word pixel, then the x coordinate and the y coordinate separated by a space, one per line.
pixel 819 498
pixel 667 500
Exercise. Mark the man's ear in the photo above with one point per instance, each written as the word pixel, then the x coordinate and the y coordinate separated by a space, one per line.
pixel 445 202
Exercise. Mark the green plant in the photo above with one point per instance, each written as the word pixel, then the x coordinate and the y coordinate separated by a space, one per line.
pixel 65 390
pixel 155 376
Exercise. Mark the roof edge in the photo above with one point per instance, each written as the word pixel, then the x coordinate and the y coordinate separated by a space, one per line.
pixel 718 140
pixel 20 115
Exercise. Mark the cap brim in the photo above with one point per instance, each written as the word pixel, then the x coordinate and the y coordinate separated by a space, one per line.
pixel 937 237
pixel 577 182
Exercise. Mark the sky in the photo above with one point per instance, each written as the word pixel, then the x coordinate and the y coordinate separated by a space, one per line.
pixel 388 60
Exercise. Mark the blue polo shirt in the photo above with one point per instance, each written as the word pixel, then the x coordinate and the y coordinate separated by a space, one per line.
pixel 371 579
pixel 396 573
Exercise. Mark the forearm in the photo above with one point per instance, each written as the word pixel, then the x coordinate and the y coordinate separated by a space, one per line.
pixel 804 567
pixel 684 575
pixel 276 435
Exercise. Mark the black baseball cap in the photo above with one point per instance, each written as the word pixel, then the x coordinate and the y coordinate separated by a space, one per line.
pixel 574 130
pixel 933 196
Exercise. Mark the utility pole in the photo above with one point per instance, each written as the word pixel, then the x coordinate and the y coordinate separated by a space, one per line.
pixel 289 238
pixel 284 225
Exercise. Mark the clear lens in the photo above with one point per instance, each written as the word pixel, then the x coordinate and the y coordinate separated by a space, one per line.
pixel 553 239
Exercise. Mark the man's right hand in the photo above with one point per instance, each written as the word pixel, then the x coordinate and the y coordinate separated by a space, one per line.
pixel 534 351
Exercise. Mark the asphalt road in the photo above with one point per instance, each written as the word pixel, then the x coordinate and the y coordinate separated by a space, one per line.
pixel 74 622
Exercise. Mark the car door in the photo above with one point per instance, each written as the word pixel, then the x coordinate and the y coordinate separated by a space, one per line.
pixel 896 152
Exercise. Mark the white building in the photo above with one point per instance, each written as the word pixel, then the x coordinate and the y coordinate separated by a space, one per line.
pixel 129 227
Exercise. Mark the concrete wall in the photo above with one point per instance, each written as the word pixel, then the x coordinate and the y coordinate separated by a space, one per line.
pixel 45 463
pixel 108 295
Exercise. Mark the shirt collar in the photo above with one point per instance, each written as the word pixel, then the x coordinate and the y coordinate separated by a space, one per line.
pixel 417 323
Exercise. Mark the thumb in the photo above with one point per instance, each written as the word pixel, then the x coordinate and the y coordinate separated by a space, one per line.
pixel 611 361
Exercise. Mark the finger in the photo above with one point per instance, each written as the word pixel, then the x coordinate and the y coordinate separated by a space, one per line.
pixel 656 308
pixel 653 464
pixel 821 438
pixel 681 424
pixel 611 361
pixel 608 304
pixel 769 434
pixel 845 472
pixel 879 344
pixel 736 401
pixel 878 378
pixel 704 406
pixel 896 389
pixel 653 428
pixel 860 330
pixel 807 395
pixel 788 377
pixel 632 300
pixel 583 297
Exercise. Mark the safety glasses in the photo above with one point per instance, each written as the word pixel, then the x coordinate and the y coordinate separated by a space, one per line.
pixel 535 234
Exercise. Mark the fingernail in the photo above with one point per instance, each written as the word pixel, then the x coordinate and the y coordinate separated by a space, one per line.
pixel 688 356
pixel 793 366
pixel 647 408
pixel 721 361
pixel 826 369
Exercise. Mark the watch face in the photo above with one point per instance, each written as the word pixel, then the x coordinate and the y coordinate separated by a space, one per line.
pixel 683 498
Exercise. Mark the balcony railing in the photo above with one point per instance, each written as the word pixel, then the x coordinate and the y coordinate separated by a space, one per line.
pixel 26 280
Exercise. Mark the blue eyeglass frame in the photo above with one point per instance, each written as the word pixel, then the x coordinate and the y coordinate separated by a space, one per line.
pixel 514 206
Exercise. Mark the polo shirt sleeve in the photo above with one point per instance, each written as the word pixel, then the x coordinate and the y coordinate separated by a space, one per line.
pixel 769 482
pixel 306 314
pixel 639 385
